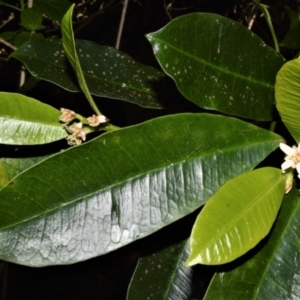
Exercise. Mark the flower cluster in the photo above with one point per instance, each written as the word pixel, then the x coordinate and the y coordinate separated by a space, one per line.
pixel 77 134
pixel 76 130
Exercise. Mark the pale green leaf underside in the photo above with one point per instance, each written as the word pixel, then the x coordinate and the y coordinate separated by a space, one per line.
pixel 68 42
pixel 219 64
pixel 237 217
pixel 272 273
pixel 123 185
pixel 287 92
pixel 26 121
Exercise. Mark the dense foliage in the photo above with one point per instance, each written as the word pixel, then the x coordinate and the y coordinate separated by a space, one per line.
pixel 102 149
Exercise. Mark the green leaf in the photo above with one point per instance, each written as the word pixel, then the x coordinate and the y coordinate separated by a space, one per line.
pixel 237 217
pixel 8 35
pixel 54 9
pixel 26 121
pixel 31 19
pixel 108 72
pixel 162 275
pixel 68 42
pixel 272 273
pixel 291 39
pixel 287 93
pixel 123 185
pixel 11 167
pixel 218 64
pixel 25 36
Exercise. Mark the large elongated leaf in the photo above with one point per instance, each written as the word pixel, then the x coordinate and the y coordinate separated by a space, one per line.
pixel 122 186
pixel 107 71
pixel 238 216
pixel 162 275
pixel 26 121
pixel 287 92
pixel 218 64
pixel 273 272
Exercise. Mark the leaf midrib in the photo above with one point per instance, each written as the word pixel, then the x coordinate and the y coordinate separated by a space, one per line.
pixel 240 216
pixel 183 160
pixel 204 62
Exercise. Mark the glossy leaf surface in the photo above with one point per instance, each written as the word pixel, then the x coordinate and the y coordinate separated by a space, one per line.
pixel 107 71
pixel 237 217
pixel 162 275
pixel 218 64
pixel 122 186
pixel 272 273
pixel 26 121
pixel 287 92
pixel 54 9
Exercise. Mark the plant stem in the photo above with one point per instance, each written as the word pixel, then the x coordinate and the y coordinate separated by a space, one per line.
pixel 8 44
pixel 125 5
pixel 266 13
pixel 272 126
pixel 30 3
pixel 111 127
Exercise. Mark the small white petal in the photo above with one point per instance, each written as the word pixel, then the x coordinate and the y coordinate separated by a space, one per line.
pixel 102 119
pixel 286 149
pixel 287 164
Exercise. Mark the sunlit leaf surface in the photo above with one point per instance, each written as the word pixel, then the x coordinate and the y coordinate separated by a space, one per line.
pixel 287 92
pixel 272 273
pixel 238 216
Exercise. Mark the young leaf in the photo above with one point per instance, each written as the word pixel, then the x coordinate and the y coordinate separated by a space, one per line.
pixel 107 71
pixel 26 121
pixel 31 19
pixel 54 9
pixel 123 185
pixel 237 217
pixel 162 275
pixel 287 93
pixel 272 273
pixel 69 46
pixel 219 64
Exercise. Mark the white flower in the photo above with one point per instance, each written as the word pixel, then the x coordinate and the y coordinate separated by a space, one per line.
pixel 292 160
pixel 94 120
